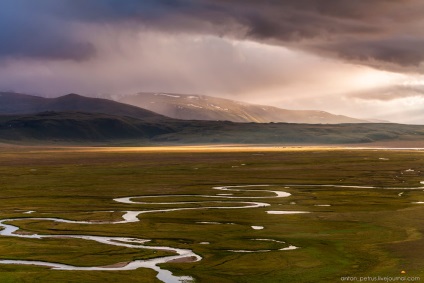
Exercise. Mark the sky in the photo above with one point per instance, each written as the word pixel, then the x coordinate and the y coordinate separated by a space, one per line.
pixel 359 58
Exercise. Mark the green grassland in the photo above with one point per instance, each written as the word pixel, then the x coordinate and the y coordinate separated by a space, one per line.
pixel 365 232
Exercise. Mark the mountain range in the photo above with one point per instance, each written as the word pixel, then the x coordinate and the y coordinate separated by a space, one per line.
pixel 76 119
pixel 202 107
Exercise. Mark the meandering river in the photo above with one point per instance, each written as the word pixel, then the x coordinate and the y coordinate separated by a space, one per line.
pixel 185 255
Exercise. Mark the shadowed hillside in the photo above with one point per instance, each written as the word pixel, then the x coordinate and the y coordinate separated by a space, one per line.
pixel 14 103
pixel 77 127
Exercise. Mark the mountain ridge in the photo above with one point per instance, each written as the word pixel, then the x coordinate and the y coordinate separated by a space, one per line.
pixel 202 107
pixel 18 103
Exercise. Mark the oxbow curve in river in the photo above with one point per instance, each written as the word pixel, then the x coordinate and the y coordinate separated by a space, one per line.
pixel 164 275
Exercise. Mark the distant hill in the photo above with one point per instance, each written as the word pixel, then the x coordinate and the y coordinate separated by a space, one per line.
pixel 15 103
pixel 79 128
pixel 201 107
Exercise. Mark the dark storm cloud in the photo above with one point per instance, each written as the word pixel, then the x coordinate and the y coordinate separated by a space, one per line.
pixel 27 32
pixel 373 32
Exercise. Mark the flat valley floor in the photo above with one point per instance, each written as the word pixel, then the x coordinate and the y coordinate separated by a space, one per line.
pixel 250 214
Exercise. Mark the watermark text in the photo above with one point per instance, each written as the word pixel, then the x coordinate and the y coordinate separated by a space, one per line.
pixel 380 279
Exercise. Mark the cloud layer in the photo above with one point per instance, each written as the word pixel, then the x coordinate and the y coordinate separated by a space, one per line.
pixel 382 33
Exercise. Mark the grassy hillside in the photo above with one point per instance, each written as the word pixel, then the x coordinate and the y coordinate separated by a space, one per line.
pixel 84 127
pixel 77 127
